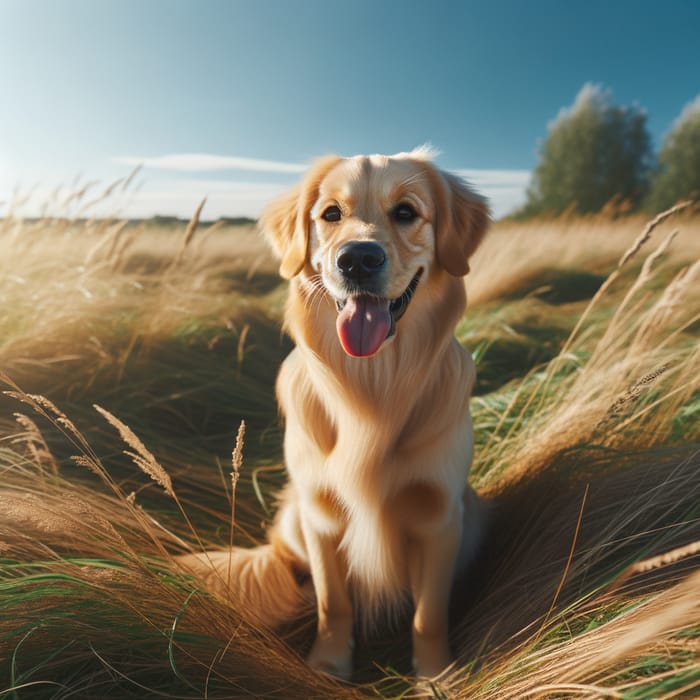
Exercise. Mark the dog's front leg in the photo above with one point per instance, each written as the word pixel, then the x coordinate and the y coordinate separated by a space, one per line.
pixel 432 559
pixel 332 649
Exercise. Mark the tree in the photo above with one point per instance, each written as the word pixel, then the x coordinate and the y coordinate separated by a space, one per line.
pixel 677 174
pixel 594 151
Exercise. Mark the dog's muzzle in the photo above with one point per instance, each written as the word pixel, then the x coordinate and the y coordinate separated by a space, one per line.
pixel 366 320
pixel 362 265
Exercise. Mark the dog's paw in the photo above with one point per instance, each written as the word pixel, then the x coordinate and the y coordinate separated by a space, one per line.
pixel 431 658
pixel 332 657
pixel 432 677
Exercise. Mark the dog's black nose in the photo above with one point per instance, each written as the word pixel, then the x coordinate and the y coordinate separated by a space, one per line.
pixel 358 260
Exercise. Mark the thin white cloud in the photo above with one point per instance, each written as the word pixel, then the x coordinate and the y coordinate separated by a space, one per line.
pixel 181 197
pixel 505 189
pixel 496 178
pixel 505 200
pixel 169 196
pixel 209 162
pixel 164 197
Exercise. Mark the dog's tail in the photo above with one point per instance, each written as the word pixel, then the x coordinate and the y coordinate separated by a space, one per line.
pixel 265 583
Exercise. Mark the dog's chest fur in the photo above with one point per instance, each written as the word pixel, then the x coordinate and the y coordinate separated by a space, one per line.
pixel 358 452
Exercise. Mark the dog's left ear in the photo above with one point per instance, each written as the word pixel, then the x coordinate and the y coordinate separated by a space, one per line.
pixel 286 222
pixel 462 219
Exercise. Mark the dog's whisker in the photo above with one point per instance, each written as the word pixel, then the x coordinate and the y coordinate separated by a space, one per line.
pixel 316 299
pixel 316 291
pixel 313 284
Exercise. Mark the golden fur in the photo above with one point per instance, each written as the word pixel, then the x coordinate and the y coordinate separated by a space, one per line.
pixel 377 448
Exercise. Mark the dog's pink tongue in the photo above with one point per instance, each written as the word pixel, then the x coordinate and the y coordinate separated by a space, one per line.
pixel 363 325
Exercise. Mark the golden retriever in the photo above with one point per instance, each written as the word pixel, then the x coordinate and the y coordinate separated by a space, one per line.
pixel 378 439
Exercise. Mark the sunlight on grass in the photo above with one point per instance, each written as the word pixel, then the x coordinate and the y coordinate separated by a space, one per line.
pixel 588 446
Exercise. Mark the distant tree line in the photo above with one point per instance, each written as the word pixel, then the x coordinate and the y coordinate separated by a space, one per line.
pixel 597 152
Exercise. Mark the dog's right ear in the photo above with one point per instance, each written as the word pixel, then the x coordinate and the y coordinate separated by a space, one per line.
pixel 462 218
pixel 285 223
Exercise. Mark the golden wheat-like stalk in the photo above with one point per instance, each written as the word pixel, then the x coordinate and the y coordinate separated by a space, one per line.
pixel 622 314
pixel 236 464
pixel 206 234
pixel 628 255
pixel 648 229
pixel 657 254
pixel 60 416
pixel 88 463
pixel 630 395
pixel 108 240
pixel 237 454
pixel 657 562
pixel 192 225
pixel 34 441
pixel 671 301
pixel 141 456
pixel 130 177
pixel 120 246
pixel 189 233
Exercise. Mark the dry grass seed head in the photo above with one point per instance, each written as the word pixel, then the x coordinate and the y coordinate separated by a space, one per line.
pixel 662 317
pixel 142 457
pixel 45 407
pixel 109 239
pixel 666 559
pixel 131 176
pixel 236 463
pixel 237 454
pixel 623 315
pixel 121 245
pixel 649 228
pixel 34 441
pixel 189 232
pixel 60 416
pixel 88 463
pixel 626 257
pixel 631 394
pixel 192 225
pixel 656 255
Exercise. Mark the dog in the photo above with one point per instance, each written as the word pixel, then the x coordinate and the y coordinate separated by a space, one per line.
pixel 375 398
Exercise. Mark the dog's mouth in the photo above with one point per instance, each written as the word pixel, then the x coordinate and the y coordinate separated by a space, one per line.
pixel 365 321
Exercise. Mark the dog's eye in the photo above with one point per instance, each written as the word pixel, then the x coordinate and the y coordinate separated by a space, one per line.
pixel 403 213
pixel 331 214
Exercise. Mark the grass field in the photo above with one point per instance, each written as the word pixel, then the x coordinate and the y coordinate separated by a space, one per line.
pixel 587 420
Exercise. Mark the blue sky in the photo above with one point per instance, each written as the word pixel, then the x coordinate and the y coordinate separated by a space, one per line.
pixel 260 87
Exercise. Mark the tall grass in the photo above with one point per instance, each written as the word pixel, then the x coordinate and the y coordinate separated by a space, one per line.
pixel 588 448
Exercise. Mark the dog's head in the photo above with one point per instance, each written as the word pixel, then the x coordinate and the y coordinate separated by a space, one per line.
pixel 371 230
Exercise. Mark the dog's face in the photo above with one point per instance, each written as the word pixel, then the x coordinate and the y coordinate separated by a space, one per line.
pixel 371 230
